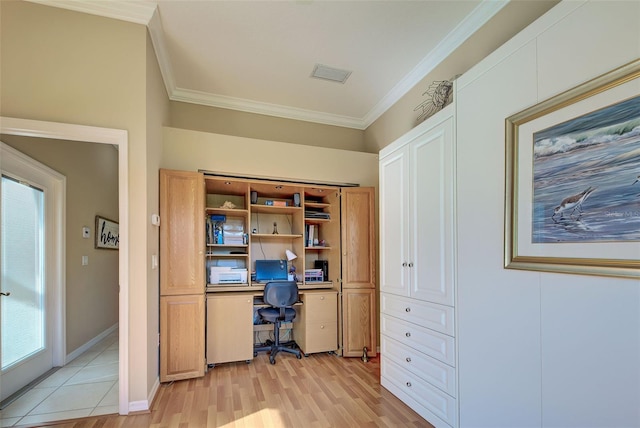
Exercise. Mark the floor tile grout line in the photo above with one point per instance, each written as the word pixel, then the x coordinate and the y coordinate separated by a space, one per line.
pixel 105 348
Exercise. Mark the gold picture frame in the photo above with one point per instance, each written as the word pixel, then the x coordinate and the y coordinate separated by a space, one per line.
pixel 549 223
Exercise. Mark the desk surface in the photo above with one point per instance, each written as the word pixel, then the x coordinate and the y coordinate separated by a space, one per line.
pixel 260 287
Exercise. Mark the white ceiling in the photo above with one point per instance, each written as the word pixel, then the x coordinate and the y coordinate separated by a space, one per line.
pixel 257 56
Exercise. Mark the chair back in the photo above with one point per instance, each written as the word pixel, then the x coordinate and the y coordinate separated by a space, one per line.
pixel 281 294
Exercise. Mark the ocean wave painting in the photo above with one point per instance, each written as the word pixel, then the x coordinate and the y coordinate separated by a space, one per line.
pixel 586 177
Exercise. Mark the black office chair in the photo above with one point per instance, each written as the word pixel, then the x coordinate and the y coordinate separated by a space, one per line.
pixel 281 295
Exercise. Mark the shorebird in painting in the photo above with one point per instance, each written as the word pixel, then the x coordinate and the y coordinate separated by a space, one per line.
pixel 572 203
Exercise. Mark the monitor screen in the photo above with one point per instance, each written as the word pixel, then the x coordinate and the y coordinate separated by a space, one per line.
pixel 271 270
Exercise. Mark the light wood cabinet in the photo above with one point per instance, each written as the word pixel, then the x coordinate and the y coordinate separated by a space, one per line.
pixel 181 233
pixel 182 311
pixel 229 327
pixel 181 337
pixel 315 328
pixel 358 272
pixel 359 321
pixel 263 219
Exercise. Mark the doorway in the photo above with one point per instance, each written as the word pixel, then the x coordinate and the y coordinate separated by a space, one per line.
pixel 118 138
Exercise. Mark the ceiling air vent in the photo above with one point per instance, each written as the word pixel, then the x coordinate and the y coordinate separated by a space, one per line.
pixel 329 73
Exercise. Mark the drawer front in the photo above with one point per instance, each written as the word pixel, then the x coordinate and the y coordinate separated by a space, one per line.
pixel 433 371
pixel 431 315
pixel 320 337
pixel 432 343
pixel 320 307
pixel 436 401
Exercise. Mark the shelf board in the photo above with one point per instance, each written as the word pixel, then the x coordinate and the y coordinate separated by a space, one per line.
pixel 231 212
pixel 226 255
pixel 274 236
pixel 317 248
pixel 316 220
pixel 316 205
pixel 269 209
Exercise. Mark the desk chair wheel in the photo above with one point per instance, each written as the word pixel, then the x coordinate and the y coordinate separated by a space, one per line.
pixel 299 356
pixel 272 359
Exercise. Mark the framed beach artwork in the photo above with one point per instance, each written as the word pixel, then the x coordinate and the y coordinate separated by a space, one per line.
pixel 573 180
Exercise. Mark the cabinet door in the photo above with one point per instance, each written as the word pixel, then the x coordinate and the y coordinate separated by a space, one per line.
pixel 358 237
pixel 394 223
pixel 229 328
pixel 431 234
pixel 181 337
pixel 181 233
pixel 359 317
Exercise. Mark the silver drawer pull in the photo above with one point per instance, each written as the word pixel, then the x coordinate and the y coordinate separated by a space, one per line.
pixel 407 310
pixel 409 384
pixel 407 334
pixel 408 359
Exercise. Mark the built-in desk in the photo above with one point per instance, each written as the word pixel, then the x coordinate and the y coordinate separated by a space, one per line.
pixel 231 332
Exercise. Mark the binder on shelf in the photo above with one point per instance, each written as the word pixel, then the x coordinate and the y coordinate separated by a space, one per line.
pixel 310 235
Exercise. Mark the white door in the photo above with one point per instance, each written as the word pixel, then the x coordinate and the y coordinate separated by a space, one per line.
pixel 432 215
pixel 30 283
pixel 394 223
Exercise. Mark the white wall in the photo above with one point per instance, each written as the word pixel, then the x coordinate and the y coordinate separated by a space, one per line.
pixel 539 349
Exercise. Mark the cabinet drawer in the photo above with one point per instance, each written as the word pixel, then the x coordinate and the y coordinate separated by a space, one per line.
pixel 431 315
pixel 426 395
pixel 433 371
pixel 321 337
pixel 432 343
pixel 320 307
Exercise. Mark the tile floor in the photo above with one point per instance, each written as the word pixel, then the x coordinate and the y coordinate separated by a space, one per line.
pixel 87 386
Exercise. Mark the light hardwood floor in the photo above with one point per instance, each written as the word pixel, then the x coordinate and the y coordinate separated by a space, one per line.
pixel 317 391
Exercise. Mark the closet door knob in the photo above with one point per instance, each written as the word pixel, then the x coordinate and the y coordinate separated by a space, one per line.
pixel 407 334
pixel 404 264
pixel 408 359
pixel 407 310
pixel 410 264
pixel 409 384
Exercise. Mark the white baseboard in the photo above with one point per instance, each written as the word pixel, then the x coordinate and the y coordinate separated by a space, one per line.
pixel 80 350
pixel 145 405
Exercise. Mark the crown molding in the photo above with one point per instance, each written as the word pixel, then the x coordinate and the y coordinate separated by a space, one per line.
pixel 147 14
pixel 472 23
pixel 248 106
pixel 136 12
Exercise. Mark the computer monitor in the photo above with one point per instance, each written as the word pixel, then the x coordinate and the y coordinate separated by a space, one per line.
pixel 271 270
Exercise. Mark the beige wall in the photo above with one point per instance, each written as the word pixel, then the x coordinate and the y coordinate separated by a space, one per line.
pixel 157 116
pixel 401 117
pixel 231 122
pixel 193 150
pixel 92 189
pixel 63 66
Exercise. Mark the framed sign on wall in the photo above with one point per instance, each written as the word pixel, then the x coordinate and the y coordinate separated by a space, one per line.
pixel 107 234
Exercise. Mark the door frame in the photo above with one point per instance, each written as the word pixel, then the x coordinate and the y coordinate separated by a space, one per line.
pixel 120 139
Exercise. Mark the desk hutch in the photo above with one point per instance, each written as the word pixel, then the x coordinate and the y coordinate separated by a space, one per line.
pixel 203 324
